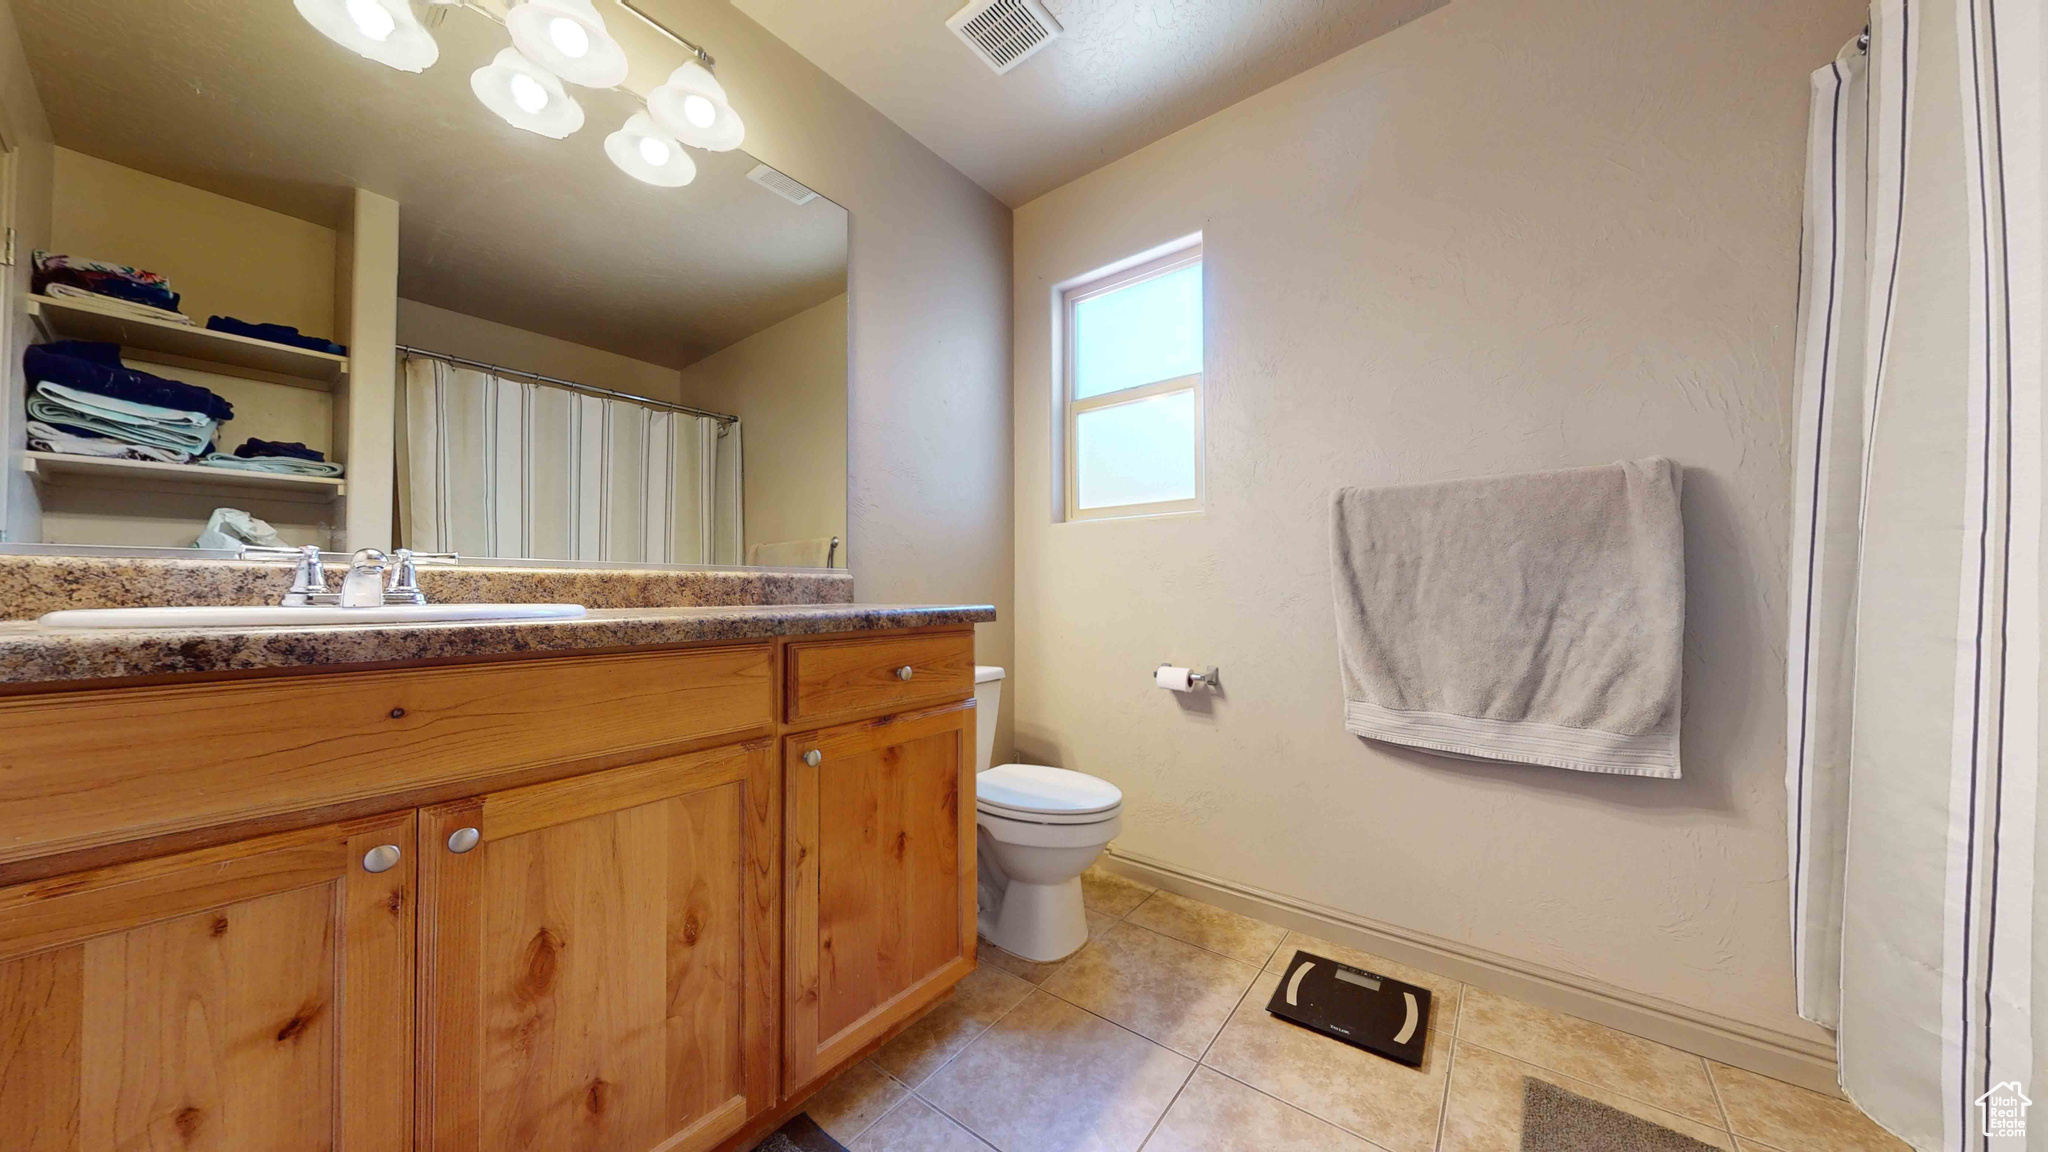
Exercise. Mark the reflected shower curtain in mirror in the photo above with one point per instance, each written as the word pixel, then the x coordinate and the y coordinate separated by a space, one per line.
pixel 497 466
pixel 1914 672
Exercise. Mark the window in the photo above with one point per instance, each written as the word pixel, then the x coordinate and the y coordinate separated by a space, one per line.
pixel 1132 391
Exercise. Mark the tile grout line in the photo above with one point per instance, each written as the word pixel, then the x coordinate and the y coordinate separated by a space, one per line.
pixel 1443 1111
pixel 907 1093
pixel 1665 1108
pixel 917 1089
pixel 886 1113
pixel 1317 1116
pixel 1720 1105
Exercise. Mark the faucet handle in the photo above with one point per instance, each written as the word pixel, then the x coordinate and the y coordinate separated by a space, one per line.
pixel 309 579
pixel 404 586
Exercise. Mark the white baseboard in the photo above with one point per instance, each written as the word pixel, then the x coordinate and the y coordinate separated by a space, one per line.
pixel 1803 1060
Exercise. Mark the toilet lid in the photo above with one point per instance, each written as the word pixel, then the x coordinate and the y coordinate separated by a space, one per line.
pixel 1037 790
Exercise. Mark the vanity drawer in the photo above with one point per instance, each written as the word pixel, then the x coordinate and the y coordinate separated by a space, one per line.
pixel 839 679
pixel 84 769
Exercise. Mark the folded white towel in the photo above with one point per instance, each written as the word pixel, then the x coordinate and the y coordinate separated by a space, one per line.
pixel 1537 618
pixel 115 304
pixel 45 438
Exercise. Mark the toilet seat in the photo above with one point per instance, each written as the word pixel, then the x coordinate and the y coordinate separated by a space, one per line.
pixel 1037 794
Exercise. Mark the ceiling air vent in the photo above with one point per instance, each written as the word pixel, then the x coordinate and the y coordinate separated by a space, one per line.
pixel 781 185
pixel 1004 32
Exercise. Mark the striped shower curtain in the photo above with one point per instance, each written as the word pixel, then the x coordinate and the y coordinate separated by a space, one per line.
pixel 1914 735
pixel 493 466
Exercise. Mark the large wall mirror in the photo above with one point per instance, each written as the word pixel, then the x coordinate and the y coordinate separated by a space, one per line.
pixel 506 345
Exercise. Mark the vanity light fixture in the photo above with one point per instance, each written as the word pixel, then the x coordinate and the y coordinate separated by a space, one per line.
pixel 382 30
pixel 526 95
pixel 693 107
pixel 568 38
pixel 553 41
pixel 645 152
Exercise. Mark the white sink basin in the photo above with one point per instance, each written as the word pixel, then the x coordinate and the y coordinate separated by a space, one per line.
pixel 270 616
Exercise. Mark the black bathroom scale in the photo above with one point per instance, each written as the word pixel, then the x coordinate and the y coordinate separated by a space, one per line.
pixel 1364 1009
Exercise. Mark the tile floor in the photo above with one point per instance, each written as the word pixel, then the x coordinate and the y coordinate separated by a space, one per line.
pixel 1155 1036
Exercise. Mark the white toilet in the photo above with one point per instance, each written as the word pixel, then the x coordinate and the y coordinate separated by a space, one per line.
pixel 1040 829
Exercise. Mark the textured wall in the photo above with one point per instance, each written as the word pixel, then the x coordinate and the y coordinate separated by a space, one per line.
pixel 1507 236
pixel 226 257
pixel 787 384
pixel 928 327
pixel 472 337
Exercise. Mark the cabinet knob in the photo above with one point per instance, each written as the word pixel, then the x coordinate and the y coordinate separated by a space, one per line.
pixel 382 858
pixel 903 673
pixel 463 839
pixel 814 757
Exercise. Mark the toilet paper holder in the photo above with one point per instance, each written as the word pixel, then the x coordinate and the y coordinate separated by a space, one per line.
pixel 1197 677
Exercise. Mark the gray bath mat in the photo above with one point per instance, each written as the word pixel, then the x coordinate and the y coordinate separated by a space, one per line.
pixel 800 1134
pixel 1554 1120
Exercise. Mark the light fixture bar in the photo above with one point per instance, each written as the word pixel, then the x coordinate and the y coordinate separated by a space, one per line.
pixel 703 57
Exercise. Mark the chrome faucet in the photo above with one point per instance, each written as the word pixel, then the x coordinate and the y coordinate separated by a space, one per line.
pixel 363 587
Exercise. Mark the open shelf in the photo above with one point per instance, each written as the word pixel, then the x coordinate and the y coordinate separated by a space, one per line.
pixel 58 467
pixel 188 344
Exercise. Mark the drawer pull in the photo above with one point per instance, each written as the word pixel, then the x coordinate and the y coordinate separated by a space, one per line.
pixel 903 673
pixel 382 858
pixel 814 758
pixel 463 839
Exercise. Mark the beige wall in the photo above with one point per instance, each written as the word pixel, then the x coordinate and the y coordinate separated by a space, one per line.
pixel 928 327
pixel 225 257
pixel 787 384
pixel 1507 236
pixel 26 131
pixel 439 330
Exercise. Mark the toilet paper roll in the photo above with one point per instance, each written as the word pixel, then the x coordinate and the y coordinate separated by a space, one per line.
pixel 1174 679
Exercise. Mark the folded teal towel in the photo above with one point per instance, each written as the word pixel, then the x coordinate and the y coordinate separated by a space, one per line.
pixel 279 465
pixel 122 420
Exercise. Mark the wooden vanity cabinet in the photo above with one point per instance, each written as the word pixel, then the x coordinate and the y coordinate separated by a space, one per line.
pixel 878 865
pixel 621 902
pixel 598 958
pixel 252 996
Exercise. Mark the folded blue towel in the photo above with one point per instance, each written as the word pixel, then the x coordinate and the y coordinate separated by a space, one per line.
pixel 95 367
pixel 275 334
pixel 253 448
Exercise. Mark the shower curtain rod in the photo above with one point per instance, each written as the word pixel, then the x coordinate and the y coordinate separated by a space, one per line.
pixel 571 385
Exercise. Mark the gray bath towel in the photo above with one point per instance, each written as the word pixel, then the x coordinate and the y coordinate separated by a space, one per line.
pixel 1536 618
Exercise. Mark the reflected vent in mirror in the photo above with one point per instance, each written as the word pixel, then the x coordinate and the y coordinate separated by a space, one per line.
pixel 1004 32
pixel 781 185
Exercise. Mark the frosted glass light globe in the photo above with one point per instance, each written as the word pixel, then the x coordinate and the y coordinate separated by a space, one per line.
pixel 699 111
pixel 372 19
pixel 382 30
pixel 569 37
pixel 527 92
pixel 648 154
pixel 526 96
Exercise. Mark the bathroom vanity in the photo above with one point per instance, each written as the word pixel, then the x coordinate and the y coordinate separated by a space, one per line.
pixel 639 881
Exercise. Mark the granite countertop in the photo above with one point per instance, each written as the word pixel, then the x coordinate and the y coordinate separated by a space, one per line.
pixel 31 653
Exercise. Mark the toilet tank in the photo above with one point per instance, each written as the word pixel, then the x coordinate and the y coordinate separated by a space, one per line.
pixel 988 697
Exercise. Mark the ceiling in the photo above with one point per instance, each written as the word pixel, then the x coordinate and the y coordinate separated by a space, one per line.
pixel 1124 73
pixel 245 99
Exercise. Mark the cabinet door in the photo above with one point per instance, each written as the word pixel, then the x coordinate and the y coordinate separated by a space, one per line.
pixel 255 996
pixel 598 959
pixel 879 864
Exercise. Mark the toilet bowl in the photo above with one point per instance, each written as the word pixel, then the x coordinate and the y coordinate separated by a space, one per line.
pixel 1039 829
